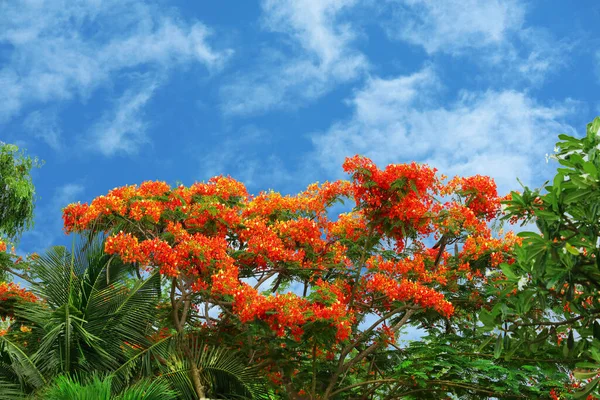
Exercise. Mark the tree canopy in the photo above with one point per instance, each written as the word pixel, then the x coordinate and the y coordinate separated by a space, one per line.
pixel 17 193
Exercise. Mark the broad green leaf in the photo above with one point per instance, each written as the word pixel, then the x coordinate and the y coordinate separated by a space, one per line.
pixel 508 272
pixel 571 249
pixel 590 168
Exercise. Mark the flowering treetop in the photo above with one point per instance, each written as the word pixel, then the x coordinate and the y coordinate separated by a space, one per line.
pixel 212 234
pixel 219 244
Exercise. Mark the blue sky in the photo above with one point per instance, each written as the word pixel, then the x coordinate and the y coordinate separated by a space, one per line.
pixel 277 93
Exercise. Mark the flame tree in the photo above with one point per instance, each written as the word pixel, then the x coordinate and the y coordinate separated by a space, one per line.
pixel 319 301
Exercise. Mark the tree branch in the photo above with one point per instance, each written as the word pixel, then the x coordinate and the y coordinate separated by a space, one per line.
pixel 345 366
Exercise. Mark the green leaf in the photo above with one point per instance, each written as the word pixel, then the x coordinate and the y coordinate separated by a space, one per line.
pixel 593 127
pixel 485 343
pixel 567 138
pixel 498 347
pixel 508 272
pixel 588 365
pixel 587 390
pixel 571 249
pixel 590 168
pixel 530 235
pixel 571 341
pixel 487 318
pixel 575 195
pixel 584 375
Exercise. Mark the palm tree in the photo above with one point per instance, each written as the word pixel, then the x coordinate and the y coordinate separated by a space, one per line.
pixel 86 321
pixel 95 319
pixel 221 371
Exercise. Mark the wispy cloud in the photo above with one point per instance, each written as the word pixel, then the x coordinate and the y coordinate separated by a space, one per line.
pixel 62 50
pixel 452 26
pixel 532 56
pixel 44 125
pixel 123 128
pixel 504 134
pixel 320 56
pixel 493 32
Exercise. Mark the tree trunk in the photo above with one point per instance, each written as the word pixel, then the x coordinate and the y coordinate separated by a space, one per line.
pixel 179 322
pixel 195 372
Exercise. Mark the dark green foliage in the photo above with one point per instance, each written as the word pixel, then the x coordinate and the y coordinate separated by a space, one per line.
pixel 466 367
pixel 557 275
pixel 89 319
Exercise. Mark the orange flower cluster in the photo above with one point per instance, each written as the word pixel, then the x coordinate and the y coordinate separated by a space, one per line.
pixel 419 268
pixel 287 312
pixel 192 254
pixel 151 199
pixel 352 226
pixel 11 292
pixel 457 218
pixel 401 192
pixel 215 236
pixel 266 246
pixel 479 193
pixel 407 291
pixel 499 249
pixel 2 246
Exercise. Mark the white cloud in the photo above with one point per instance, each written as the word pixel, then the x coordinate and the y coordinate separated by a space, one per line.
pixel 322 57
pixel 532 56
pixel 494 33
pixel 313 23
pixel 123 129
pixel 62 50
pixel 168 43
pixel 504 134
pixel 10 94
pixel 44 125
pixel 452 26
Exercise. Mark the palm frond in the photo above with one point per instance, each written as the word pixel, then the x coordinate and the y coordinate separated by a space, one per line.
pixel 94 321
pixel 22 364
pixel 148 390
pixel 223 372
pixel 54 276
pixel 143 361
pixel 90 316
pixel 10 391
